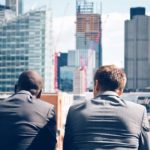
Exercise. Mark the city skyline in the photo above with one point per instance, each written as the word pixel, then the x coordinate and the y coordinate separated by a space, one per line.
pixel 113 18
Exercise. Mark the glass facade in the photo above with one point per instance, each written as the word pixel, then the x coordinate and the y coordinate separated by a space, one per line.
pixel 24 45
pixel 66 78
pixel 15 5
pixel 62 61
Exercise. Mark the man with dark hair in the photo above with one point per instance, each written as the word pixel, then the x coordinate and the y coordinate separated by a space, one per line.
pixel 26 122
pixel 107 122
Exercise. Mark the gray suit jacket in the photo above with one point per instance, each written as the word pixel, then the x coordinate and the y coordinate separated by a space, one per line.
pixel 107 123
pixel 27 123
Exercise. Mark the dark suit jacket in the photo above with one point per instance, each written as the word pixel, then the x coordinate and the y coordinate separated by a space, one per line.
pixel 106 123
pixel 27 123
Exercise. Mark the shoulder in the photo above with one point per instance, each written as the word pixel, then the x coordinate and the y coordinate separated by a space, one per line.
pixel 135 106
pixel 44 105
pixel 40 109
pixel 79 105
pixel 134 110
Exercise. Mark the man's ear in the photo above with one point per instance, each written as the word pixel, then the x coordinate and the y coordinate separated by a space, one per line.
pixel 97 86
pixel 39 94
pixel 96 89
pixel 119 92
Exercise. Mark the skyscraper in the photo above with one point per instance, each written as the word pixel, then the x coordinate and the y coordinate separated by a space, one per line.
pixel 88 38
pixel 16 6
pixel 137 49
pixel 88 29
pixel 25 43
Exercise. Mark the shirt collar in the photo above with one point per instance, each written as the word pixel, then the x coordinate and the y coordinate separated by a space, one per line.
pixel 24 92
pixel 108 93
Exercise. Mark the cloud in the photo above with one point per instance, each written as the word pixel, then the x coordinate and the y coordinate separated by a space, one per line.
pixel 64 33
pixel 113 38
pixel 31 5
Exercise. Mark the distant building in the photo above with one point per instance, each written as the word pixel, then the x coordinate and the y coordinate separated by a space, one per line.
pixel 62 61
pixel 88 29
pixel 88 38
pixel 83 59
pixel 137 12
pixel 79 81
pixel 25 43
pixel 3 7
pixel 86 59
pixel 65 63
pixel 66 78
pixel 137 49
pixel 65 72
pixel 15 5
pixel 71 58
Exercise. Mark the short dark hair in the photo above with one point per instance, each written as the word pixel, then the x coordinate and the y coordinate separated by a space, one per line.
pixel 30 81
pixel 110 78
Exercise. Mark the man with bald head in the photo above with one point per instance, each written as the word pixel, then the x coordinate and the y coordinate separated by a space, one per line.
pixel 26 122
pixel 30 81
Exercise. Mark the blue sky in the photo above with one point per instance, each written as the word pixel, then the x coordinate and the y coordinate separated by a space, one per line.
pixel 114 13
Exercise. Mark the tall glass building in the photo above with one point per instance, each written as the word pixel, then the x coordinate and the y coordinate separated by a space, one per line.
pixel 25 43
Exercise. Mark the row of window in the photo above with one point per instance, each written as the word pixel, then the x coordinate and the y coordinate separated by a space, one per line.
pixel 14 33
pixel 8 89
pixel 11 76
pixel 14 70
pixel 13 46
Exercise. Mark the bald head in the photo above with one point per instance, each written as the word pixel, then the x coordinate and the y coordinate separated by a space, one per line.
pixel 30 81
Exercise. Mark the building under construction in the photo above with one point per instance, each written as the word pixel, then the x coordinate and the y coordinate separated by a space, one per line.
pixel 88 29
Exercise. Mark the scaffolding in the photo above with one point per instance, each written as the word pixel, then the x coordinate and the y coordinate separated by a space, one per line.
pixel 88 23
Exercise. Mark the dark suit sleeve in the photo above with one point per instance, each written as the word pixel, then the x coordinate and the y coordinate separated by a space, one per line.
pixel 144 143
pixel 68 143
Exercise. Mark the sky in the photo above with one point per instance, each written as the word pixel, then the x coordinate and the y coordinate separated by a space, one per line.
pixel 114 13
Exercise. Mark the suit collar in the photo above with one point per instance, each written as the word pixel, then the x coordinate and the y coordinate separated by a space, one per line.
pixel 107 93
pixel 29 95
pixel 24 92
pixel 110 96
